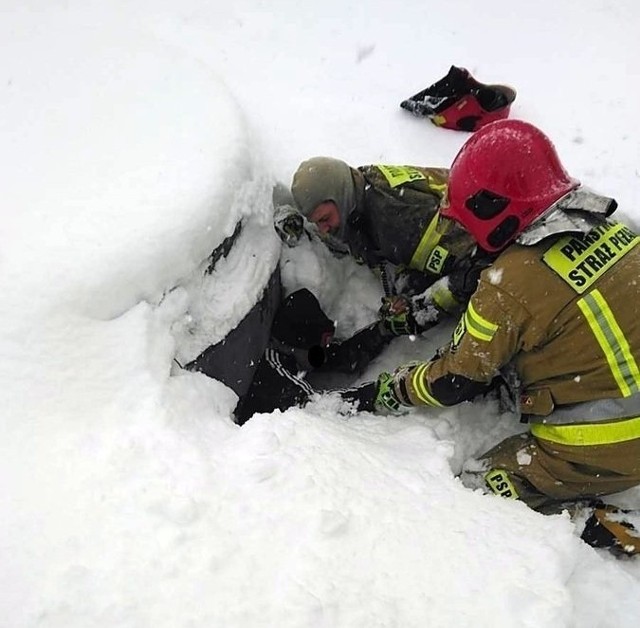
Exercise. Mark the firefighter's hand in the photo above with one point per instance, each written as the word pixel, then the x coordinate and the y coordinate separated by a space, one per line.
pixel 386 400
pixel 289 224
pixel 397 318
pixel 394 393
pixel 408 379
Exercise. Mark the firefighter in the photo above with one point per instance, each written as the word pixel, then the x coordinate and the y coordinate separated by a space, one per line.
pixel 558 309
pixel 387 217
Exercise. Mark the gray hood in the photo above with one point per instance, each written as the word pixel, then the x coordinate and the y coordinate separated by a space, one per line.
pixel 321 179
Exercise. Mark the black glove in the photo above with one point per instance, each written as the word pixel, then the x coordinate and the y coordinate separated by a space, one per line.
pixel 463 280
pixel 289 224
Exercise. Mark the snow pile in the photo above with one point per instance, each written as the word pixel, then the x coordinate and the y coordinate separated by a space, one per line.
pixel 118 153
pixel 129 498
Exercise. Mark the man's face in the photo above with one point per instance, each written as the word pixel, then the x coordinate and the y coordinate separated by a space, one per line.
pixel 326 217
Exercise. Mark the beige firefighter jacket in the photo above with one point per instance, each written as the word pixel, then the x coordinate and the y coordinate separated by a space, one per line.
pixel 564 312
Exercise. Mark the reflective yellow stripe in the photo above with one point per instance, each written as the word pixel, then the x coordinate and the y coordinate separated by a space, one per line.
pixel 444 299
pixel 612 342
pixel 428 242
pixel 478 326
pixel 588 433
pixel 437 187
pixel 419 384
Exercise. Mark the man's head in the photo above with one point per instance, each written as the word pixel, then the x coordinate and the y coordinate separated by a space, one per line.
pixel 325 193
pixel 503 179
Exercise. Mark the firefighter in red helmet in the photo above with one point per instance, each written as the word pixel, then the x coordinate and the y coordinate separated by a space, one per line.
pixel 556 315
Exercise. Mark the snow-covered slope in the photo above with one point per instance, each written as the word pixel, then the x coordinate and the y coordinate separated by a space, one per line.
pixel 133 138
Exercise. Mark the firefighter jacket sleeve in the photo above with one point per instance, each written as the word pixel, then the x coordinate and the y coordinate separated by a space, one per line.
pixel 488 335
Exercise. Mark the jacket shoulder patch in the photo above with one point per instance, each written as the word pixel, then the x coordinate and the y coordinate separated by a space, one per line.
pixel 581 261
pixel 397 175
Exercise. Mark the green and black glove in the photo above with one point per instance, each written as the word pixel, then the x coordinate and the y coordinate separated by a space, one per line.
pixel 394 391
pixel 386 399
pixel 397 317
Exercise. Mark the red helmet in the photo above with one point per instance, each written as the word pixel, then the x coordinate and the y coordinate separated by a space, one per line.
pixel 504 177
pixel 458 101
pixel 477 109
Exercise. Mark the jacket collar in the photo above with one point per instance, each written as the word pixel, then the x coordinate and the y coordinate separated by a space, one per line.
pixel 578 211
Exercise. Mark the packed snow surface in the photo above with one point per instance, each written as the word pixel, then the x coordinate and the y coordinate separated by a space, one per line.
pixel 133 138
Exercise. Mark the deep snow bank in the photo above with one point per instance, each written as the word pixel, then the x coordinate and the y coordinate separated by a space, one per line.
pixel 116 157
pixel 128 497
pixel 125 165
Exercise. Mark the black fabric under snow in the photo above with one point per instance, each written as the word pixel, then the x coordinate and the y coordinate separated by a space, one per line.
pixel 300 321
pixel 277 386
pixel 363 397
pixel 278 383
pixel 354 354
pixel 267 378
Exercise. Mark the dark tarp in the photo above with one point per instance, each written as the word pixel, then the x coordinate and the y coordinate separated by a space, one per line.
pixel 234 360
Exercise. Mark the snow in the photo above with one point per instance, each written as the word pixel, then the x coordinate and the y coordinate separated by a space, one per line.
pixel 133 136
pixel 495 276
